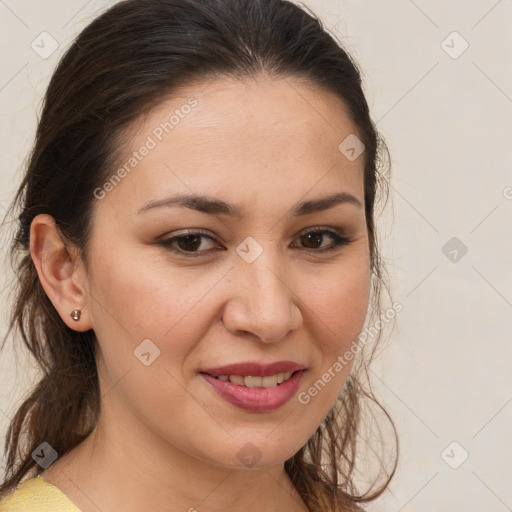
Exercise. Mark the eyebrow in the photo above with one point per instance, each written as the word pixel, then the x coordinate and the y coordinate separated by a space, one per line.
pixel 213 206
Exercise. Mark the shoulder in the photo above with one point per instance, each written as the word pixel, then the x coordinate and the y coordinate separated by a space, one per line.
pixel 37 495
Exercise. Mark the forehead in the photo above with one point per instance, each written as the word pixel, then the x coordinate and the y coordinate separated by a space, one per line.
pixel 255 107
pixel 244 134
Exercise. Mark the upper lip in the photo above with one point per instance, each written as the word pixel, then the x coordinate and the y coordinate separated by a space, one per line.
pixel 255 369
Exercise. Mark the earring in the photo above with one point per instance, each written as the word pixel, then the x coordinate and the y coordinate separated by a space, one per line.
pixel 75 314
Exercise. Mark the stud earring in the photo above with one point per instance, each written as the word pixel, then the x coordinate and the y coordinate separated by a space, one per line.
pixel 75 314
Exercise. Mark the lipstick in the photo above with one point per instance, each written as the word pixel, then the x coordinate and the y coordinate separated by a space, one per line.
pixel 250 385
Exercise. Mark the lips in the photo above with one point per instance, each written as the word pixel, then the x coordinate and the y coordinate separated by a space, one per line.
pixel 255 387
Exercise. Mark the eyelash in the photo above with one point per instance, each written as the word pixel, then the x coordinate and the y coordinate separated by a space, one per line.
pixel 339 241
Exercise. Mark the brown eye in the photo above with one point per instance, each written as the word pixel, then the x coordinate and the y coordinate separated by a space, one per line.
pixel 188 244
pixel 313 240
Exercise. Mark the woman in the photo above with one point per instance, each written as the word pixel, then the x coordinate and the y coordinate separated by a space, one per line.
pixel 196 257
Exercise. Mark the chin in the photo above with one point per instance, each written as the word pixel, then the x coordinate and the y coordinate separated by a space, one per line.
pixel 253 453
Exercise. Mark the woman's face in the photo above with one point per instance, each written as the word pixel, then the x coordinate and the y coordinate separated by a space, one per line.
pixel 244 284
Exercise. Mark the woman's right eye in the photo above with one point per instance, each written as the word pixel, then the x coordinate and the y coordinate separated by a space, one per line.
pixel 187 244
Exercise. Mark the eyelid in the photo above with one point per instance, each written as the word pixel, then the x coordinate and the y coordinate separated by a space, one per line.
pixel 199 231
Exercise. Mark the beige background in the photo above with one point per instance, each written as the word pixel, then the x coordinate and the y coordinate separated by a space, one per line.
pixel 445 374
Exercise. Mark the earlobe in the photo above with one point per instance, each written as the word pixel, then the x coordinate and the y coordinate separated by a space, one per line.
pixel 58 272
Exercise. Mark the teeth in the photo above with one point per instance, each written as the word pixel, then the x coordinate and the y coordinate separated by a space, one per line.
pixel 253 382
pixel 256 382
pixel 269 382
pixel 236 379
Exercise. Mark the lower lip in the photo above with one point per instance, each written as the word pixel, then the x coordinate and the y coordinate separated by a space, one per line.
pixel 256 399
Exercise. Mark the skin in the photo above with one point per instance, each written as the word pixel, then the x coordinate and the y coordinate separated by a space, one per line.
pixel 165 439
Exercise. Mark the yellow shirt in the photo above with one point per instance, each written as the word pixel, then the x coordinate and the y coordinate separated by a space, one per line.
pixel 37 495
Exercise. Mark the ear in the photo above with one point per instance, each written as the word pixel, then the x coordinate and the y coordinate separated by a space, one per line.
pixel 61 271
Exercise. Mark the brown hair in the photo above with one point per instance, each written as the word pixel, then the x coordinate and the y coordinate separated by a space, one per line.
pixel 120 66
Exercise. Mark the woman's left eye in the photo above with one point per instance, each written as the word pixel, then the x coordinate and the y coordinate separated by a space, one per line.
pixel 315 236
pixel 189 244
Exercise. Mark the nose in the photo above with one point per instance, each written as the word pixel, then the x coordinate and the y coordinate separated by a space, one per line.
pixel 262 302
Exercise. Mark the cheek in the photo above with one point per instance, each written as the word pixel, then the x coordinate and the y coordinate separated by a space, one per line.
pixel 146 301
pixel 340 303
pixel 338 312
pixel 134 300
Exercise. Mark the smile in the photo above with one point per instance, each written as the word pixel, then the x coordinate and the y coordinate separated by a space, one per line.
pixel 255 394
